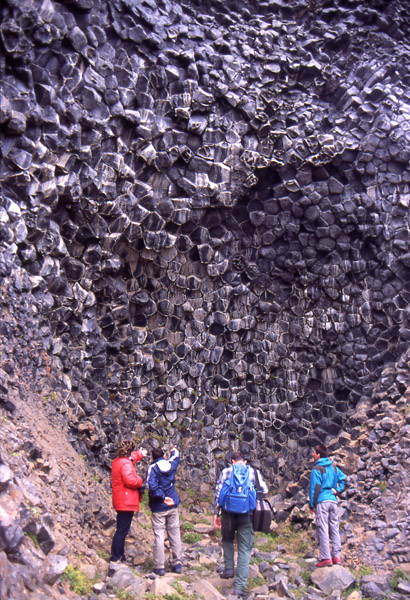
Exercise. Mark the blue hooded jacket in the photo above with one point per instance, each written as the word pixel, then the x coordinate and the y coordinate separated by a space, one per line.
pixel 161 482
pixel 323 480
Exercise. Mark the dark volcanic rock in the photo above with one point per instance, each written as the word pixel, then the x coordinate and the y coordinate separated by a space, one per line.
pixel 204 217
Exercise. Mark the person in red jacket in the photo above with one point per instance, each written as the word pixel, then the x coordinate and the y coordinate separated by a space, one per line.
pixel 125 485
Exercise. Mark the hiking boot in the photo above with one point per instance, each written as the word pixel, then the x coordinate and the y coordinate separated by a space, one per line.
pixel 336 560
pixel 159 572
pixel 239 593
pixel 324 563
pixel 228 574
pixel 176 569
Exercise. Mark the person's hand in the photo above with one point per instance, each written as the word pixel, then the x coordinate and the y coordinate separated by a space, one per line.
pixel 312 511
pixel 334 491
pixel 168 501
pixel 174 449
pixel 143 451
pixel 217 522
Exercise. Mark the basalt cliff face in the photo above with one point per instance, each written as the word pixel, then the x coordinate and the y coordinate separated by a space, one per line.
pixel 205 214
pixel 204 224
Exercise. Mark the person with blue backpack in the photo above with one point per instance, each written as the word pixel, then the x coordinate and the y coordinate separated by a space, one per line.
pixel 326 482
pixel 235 497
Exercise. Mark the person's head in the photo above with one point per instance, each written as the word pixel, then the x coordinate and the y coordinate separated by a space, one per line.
pixel 157 453
pixel 320 451
pixel 125 448
pixel 237 457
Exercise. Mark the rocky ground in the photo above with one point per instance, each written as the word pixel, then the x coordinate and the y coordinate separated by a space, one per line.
pixel 216 253
pixel 56 521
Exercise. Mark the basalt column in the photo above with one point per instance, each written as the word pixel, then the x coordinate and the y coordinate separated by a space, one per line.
pixel 207 211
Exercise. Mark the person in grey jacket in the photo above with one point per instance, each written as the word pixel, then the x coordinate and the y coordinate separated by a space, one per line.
pixel 326 482
pixel 163 502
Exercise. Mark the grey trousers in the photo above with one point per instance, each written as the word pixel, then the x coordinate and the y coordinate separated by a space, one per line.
pixel 327 529
pixel 167 520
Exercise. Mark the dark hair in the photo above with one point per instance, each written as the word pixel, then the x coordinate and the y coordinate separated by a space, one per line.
pixel 157 453
pixel 322 450
pixel 125 448
pixel 237 456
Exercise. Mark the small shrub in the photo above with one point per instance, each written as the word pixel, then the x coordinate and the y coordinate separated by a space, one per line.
pixel 191 537
pixel 187 526
pixel 305 575
pixel 148 564
pixel 382 485
pixel 123 594
pixel 79 582
pixel 358 574
pixel 254 582
pixel 180 594
pixel 266 542
pixel 362 571
pixel 395 578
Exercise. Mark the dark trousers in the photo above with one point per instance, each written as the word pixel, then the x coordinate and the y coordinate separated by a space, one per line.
pixel 124 519
pixel 241 525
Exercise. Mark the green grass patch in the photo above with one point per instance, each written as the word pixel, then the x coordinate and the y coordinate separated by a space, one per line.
pixel 148 564
pixel 254 582
pixel 122 594
pixel 33 538
pixel 297 541
pixel 79 582
pixel 191 537
pixel 395 578
pixel 305 575
pixel 358 574
pixel 180 594
pixel 382 485
pixel 206 568
pixel 256 561
pixel 362 571
pixel 205 520
pixel 266 542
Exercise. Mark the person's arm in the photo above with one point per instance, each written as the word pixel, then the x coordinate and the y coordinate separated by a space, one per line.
pixel 314 489
pixel 217 518
pixel 130 477
pixel 262 484
pixel 217 492
pixel 225 474
pixel 174 459
pixel 341 481
pixel 174 454
pixel 139 454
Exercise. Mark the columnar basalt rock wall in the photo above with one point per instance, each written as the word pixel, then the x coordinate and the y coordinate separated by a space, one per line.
pixel 207 212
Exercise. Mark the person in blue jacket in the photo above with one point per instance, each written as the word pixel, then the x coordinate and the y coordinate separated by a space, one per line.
pixel 326 482
pixel 163 502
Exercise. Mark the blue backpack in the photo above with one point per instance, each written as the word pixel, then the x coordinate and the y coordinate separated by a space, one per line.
pixel 238 494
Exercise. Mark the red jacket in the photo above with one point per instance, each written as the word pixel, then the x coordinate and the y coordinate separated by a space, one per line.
pixel 125 483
